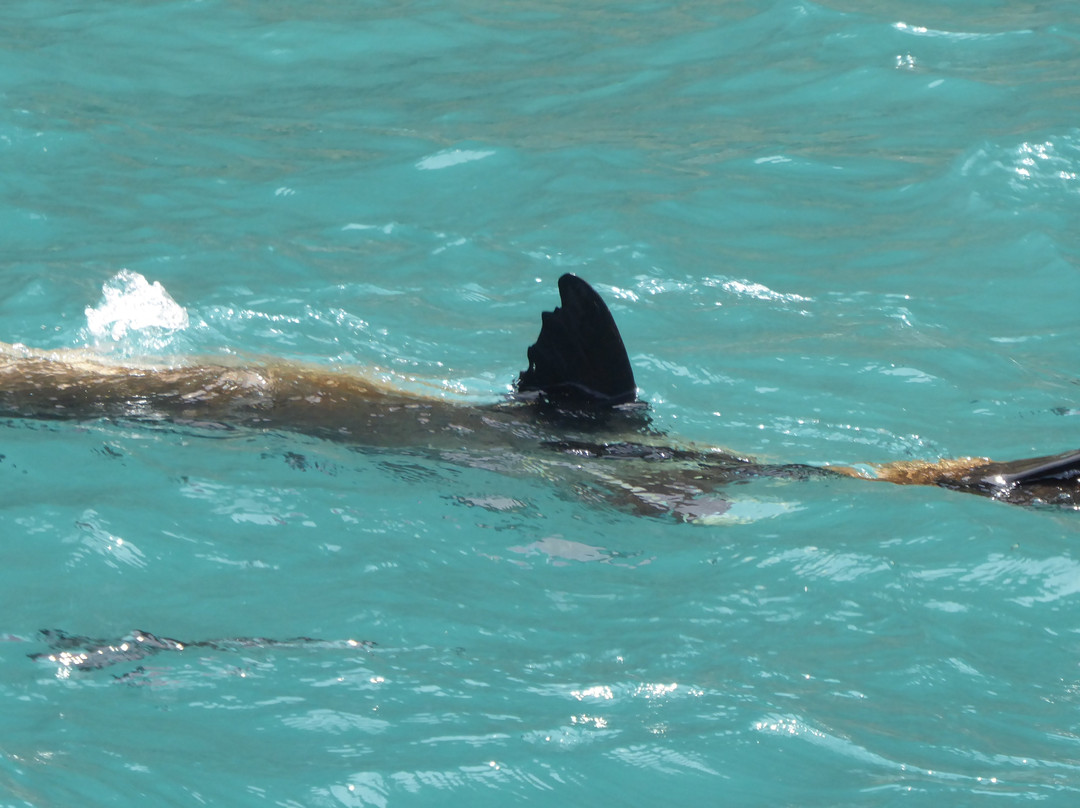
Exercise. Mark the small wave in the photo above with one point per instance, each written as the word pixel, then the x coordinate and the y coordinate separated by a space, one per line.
pixel 452 157
pixel 93 536
pixel 1050 166
pixel 742 288
pixel 957 36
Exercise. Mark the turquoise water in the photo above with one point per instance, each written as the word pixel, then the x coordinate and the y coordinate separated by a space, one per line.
pixel 841 232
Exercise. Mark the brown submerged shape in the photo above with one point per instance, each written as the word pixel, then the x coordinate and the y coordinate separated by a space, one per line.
pixel 574 419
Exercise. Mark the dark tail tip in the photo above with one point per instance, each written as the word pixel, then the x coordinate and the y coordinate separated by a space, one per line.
pixel 579 358
pixel 1035 470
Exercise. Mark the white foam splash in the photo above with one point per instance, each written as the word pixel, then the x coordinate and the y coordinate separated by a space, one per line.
pixel 744 288
pixel 134 315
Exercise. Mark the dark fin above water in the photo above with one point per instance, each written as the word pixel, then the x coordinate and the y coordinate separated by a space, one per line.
pixel 1035 470
pixel 579 358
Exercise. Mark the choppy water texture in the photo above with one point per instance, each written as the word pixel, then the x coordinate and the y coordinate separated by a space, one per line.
pixel 840 232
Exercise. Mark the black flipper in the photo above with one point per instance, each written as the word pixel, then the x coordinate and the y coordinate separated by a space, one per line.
pixel 1035 470
pixel 579 358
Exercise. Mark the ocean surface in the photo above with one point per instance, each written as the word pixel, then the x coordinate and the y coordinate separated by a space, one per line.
pixel 836 232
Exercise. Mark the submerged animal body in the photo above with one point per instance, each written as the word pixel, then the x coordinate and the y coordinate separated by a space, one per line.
pixel 77 653
pixel 575 417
